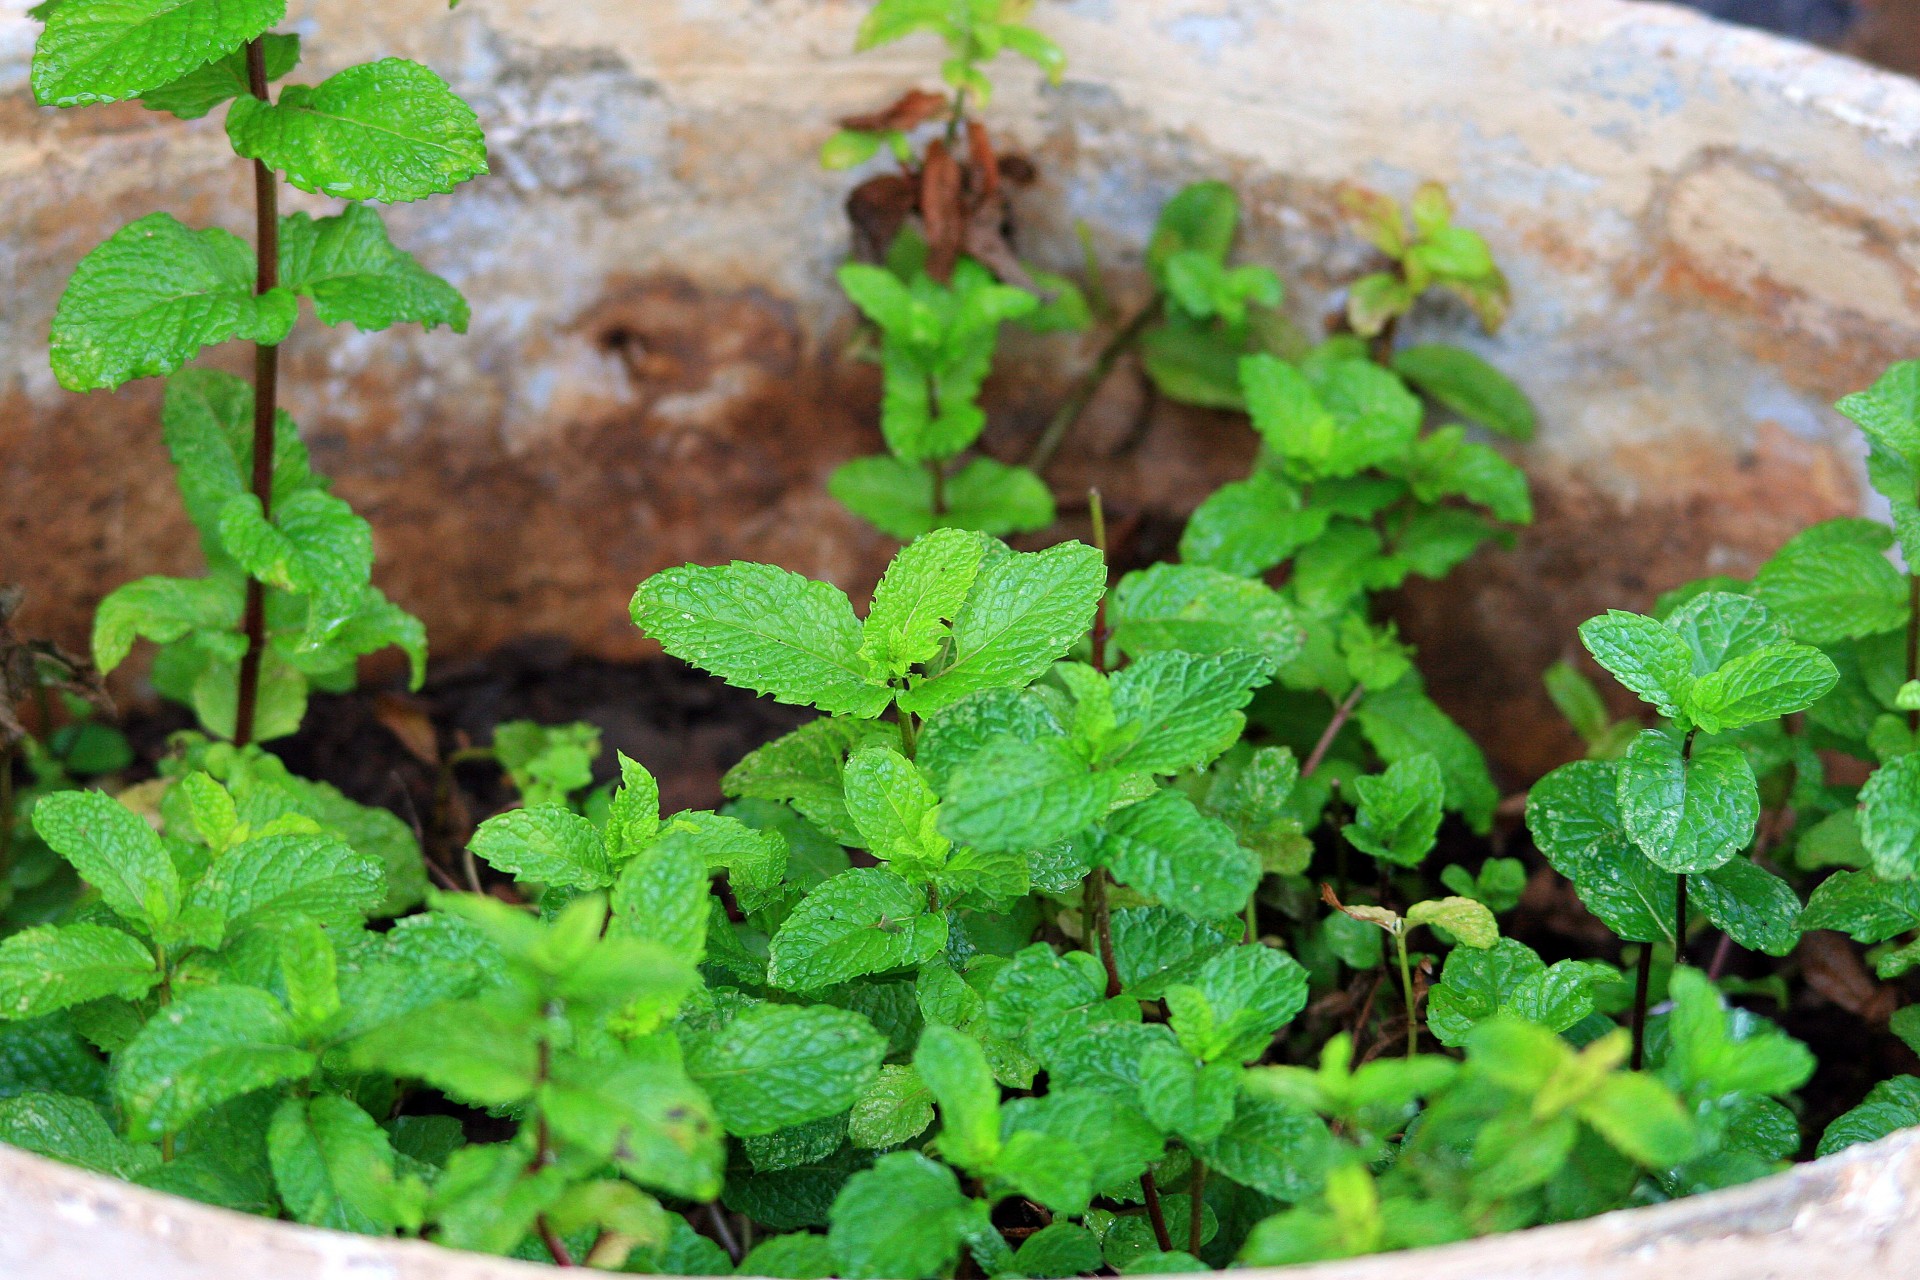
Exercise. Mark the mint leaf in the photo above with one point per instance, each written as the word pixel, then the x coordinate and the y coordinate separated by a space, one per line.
pixel 862 921
pixel 1644 655
pixel 806 767
pixel 1025 610
pixel 355 275
pixel 115 851
pixel 147 300
pixel 763 629
pixel 755 860
pixel 274 879
pixel 1446 464
pixel 1275 1148
pixel 955 1071
pixel 1398 814
pixel 1172 606
pixel 920 593
pixel 1192 1099
pixel 1713 1051
pixel 1889 1106
pixel 199 91
pixel 643 1114
pixel 206 1047
pixel 550 845
pixel 633 815
pixel 164 610
pixel 1113 1139
pixel 390 131
pixel 1014 796
pixel 1758 909
pixel 900 1220
pixel 1168 849
pixel 1719 626
pixel 1178 711
pixel 1510 978
pixel 895 810
pixel 984 495
pixel 1889 411
pixel 1235 1003
pixel 71 1130
pixel 1248 526
pixel 894 1109
pixel 1574 816
pixel 208 421
pixel 1469 386
pixel 663 895
pixel 334 1166
pixel 315 546
pixel 1833 582
pixel 1763 684
pixel 1890 818
pixel 1402 722
pixel 1687 815
pixel 465 1048
pixel 1863 906
pixel 53 967
pixel 1466 919
pixel 109 52
pixel 777 1066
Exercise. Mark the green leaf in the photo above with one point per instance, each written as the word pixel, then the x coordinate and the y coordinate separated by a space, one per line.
pixel 776 1066
pixel 992 497
pixel 663 895
pixel 1863 906
pixel 955 1071
pixel 1114 1140
pixel 71 1130
pixel 645 1115
pixel 1714 1052
pixel 1467 920
pixel 1889 411
pixel 1641 1119
pixel 1758 909
pixel 1763 684
pixel 147 300
pixel 315 546
pixel 1177 711
pixel 763 629
pixel 1889 1106
pixel 547 763
pixel 1025 610
pixel 1644 655
pixel 1469 386
pixel 1059 1249
pixel 1274 1147
pixel 806 768
pixel 633 815
pixel 390 131
pixel 199 91
pixel 206 1047
pixel 354 275
pixel 57 966
pixel 1165 847
pixel 334 1166
pixel 755 860
pixel 109 52
pixel 1402 722
pixel 1201 610
pixel 1720 625
pixel 920 593
pixel 895 810
pixel 1574 816
pixel 115 851
pixel 1890 818
pixel 1510 978
pixel 463 1047
pixel 862 921
pixel 1398 814
pixel 798 1256
pixel 899 1220
pixel 1248 526
pixel 894 1109
pixel 1236 1002
pixel 274 879
pixel 550 845
pixel 1687 815
pixel 1833 582
pixel 1576 698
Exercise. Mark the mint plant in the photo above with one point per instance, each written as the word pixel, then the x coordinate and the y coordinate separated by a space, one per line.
pixel 287 603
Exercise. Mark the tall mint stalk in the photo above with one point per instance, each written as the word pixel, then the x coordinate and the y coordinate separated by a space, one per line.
pixel 287 604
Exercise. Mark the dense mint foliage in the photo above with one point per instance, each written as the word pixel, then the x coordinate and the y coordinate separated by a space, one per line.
pixel 1097 922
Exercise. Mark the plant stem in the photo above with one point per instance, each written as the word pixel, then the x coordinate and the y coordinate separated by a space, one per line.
pixel 1083 391
pixel 266 388
pixel 722 1232
pixel 1099 924
pixel 1640 984
pixel 543 1156
pixel 1679 918
pixel 909 735
pixel 1097 512
pixel 1341 715
pixel 1197 1207
pixel 938 471
pixel 1156 1213
pixel 1406 991
pixel 6 817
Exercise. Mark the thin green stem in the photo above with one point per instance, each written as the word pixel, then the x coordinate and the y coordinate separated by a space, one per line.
pixel 1913 641
pixel 1156 1212
pixel 1097 512
pixel 909 734
pixel 1083 391
pixel 1406 991
pixel 937 471
pixel 1679 918
pixel 266 390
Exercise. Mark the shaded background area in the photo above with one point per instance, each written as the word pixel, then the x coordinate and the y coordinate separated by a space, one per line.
pixel 1882 31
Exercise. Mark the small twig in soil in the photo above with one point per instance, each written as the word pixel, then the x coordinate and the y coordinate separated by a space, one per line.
pixel 1341 715
pixel 723 1232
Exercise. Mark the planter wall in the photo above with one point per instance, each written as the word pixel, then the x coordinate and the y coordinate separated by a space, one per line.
pixel 1711 235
